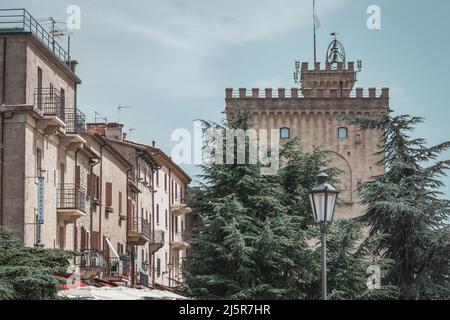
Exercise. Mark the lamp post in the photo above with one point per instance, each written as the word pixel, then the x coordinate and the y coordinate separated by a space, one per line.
pixel 323 202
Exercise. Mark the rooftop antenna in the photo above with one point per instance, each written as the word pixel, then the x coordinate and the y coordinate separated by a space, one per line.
pixel 297 72
pixel 99 117
pixel 130 131
pixel 120 107
pixel 58 33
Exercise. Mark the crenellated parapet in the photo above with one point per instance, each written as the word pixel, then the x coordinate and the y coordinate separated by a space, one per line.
pixel 296 93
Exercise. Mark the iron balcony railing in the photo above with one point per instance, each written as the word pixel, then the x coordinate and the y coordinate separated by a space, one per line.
pixel 50 102
pixel 90 258
pixel 71 196
pixel 140 225
pixel 115 267
pixel 143 279
pixel 75 122
pixel 20 20
pixel 158 237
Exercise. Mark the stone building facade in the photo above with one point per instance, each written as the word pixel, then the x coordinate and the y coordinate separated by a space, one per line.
pixel 310 113
pixel 88 190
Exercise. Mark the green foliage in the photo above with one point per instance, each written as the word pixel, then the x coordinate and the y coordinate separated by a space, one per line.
pixel 27 273
pixel 254 237
pixel 406 209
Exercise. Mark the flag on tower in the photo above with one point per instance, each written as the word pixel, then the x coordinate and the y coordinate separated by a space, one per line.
pixel 317 24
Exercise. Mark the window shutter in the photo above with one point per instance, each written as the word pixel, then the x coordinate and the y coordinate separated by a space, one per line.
pixel 89 185
pixel 77 176
pixel 75 237
pixel 95 240
pixel 120 202
pixel 83 239
pixel 109 194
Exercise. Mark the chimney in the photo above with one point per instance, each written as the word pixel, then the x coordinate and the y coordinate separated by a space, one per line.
pixel 125 136
pixel 115 131
pixel 153 143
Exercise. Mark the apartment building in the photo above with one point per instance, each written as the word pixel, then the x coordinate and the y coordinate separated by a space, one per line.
pixel 118 204
pixel 173 216
pixel 160 186
pixel 41 130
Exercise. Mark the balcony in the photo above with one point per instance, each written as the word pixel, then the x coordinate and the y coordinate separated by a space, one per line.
pixel 51 103
pixel 71 202
pixel 91 262
pixel 75 129
pixel 157 240
pixel 178 209
pixel 139 231
pixel 177 242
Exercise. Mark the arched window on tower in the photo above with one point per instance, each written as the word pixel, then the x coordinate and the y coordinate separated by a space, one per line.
pixel 342 133
pixel 285 133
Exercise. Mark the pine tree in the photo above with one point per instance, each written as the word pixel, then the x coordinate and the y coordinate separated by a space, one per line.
pixel 254 237
pixel 406 209
pixel 27 273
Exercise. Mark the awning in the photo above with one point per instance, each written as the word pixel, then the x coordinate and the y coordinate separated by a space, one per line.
pixel 112 248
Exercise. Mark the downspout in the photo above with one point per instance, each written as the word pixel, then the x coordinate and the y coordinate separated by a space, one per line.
pixel 2 146
pixel 170 227
pixel 152 254
pixel 75 235
pixel 127 244
pixel 91 224
pixel 100 243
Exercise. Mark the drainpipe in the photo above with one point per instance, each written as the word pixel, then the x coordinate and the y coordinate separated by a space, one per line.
pixel 127 244
pixel 2 146
pixel 170 227
pixel 152 254
pixel 91 224
pixel 101 197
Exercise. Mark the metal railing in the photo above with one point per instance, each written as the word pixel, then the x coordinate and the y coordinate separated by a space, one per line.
pixel 140 225
pixel 75 122
pixel 91 258
pixel 114 267
pixel 71 196
pixel 20 20
pixel 158 237
pixel 50 102
pixel 143 279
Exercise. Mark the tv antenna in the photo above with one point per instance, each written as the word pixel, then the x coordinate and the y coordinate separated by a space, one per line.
pixel 99 117
pixel 57 32
pixel 120 107
pixel 130 131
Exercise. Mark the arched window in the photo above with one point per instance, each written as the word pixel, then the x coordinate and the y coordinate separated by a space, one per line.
pixel 343 133
pixel 285 133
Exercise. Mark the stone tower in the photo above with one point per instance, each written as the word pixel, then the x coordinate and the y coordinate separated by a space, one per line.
pixel 310 113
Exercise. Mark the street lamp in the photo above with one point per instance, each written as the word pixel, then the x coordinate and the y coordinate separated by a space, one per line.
pixel 323 202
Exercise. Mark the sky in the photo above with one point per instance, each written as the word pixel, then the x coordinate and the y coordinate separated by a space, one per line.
pixel 171 60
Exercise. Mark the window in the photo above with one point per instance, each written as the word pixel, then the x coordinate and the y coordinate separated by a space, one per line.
pixel 158 267
pixel 39 88
pixel 108 194
pixel 157 177
pixel 285 133
pixel 38 162
pixel 342 133
pixel 157 214
pixel 165 182
pixel 166 218
pixel 120 202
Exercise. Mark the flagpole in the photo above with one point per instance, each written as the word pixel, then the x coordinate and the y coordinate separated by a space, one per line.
pixel 314 28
